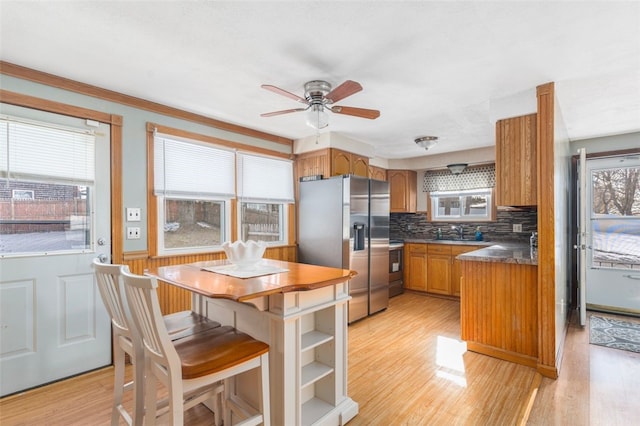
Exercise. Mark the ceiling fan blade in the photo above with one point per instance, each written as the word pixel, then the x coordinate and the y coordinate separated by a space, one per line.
pixel 283 92
pixel 347 88
pixel 285 111
pixel 358 112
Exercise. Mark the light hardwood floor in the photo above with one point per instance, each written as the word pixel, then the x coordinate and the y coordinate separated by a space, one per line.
pixel 408 367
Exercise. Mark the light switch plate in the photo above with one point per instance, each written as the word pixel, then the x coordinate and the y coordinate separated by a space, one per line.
pixel 517 227
pixel 133 233
pixel 133 214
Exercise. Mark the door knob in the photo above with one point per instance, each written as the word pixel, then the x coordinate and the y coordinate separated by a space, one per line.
pixel 101 241
pixel 103 258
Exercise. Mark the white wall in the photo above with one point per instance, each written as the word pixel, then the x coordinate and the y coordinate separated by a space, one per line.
pixel 607 143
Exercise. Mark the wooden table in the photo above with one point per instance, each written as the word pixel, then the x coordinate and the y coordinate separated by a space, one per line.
pixel 302 314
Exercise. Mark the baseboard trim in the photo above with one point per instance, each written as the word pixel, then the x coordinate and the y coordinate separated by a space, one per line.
pixel 613 310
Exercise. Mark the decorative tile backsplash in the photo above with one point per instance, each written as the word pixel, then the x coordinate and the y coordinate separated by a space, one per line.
pixel 408 225
pixel 472 178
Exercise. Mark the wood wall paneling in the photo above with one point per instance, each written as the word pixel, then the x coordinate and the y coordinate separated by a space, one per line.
pixel 516 161
pixel 499 310
pixel 548 359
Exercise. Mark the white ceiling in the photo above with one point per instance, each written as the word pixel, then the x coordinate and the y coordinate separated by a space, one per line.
pixel 431 68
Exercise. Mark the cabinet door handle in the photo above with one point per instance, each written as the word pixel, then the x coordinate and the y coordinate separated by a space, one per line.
pixel 633 277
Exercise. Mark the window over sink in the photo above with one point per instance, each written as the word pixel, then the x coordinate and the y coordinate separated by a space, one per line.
pixel 470 205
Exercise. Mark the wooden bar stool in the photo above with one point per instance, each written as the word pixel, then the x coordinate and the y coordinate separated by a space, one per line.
pixel 192 367
pixel 125 340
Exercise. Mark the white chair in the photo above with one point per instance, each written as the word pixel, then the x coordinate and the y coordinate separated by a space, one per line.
pixel 180 324
pixel 192 367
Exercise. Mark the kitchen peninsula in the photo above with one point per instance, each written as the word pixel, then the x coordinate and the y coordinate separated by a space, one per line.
pixel 301 312
pixel 499 302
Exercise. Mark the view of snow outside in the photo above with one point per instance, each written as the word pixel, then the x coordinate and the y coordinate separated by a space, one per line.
pixel 615 218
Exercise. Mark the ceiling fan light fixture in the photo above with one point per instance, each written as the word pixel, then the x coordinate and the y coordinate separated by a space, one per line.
pixel 457 168
pixel 426 142
pixel 317 116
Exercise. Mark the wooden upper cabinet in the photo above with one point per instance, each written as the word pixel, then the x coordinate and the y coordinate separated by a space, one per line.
pixel 346 163
pixel 330 162
pixel 359 165
pixel 340 162
pixel 377 173
pixel 312 163
pixel 516 163
pixel 403 190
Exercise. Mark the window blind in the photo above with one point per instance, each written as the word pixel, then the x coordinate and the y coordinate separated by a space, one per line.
pixel 264 179
pixel 191 169
pixel 37 152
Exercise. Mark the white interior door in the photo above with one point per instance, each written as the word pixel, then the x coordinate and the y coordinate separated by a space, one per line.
pixel 613 234
pixel 54 222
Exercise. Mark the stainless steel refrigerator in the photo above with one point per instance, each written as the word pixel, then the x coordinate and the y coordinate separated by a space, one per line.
pixel 343 222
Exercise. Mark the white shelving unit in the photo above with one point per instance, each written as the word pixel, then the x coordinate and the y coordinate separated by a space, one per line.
pixel 318 360
pixel 307 335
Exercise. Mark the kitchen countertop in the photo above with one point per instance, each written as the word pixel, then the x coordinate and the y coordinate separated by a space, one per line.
pixel 519 253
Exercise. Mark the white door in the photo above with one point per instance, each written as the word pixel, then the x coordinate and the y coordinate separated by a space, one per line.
pixel 55 218
pixel 613 234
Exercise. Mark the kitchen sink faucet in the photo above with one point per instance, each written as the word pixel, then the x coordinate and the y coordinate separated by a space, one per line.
pixel 459 230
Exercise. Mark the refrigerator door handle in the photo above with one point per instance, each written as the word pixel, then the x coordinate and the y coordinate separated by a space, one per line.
pixel 359 230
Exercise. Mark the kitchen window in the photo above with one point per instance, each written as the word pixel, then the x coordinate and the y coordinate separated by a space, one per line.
pixel 472 205
pixel 194 184
pixel 265 188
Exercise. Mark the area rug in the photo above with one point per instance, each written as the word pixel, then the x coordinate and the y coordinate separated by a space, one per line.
pixel 614 333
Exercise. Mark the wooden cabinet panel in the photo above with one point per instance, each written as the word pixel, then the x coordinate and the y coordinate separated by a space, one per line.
pixel 439 273
pixel 456 267
pixel 312 163
pixel 403 190
pixel 340 162
pixel 359 165
pixel 415 267
pixel 377 173
pixel 516 162
pixel 499 310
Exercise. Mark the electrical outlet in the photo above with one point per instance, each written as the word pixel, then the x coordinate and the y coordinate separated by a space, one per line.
pixel 517 227
pixel 133 214
pixel 133 233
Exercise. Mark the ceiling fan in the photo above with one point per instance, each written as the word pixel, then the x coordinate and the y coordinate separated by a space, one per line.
pixel 318 98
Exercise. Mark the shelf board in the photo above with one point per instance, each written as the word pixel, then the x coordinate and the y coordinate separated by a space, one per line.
pixel 313 372
pixel 314 338
pixel 313 410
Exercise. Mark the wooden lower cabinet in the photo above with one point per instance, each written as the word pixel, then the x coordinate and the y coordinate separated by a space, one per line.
pixel 439 269
pixel 433 268
pixel 499 310
pixel 415 267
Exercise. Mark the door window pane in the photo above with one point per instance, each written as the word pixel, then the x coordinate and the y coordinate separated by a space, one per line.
pixel 42 217
pixel 615 218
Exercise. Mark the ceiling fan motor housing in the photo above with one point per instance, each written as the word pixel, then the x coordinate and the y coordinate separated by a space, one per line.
pixel 316 90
